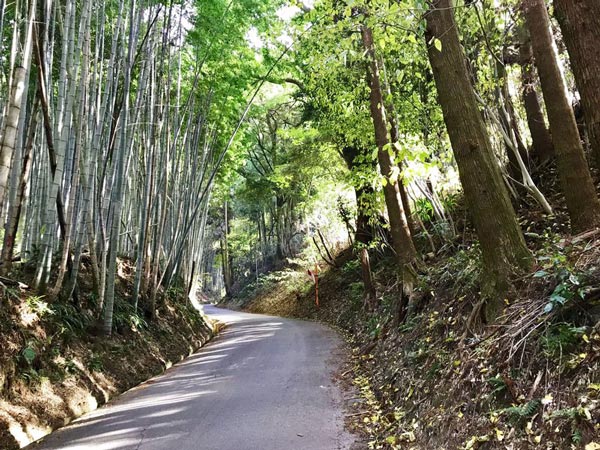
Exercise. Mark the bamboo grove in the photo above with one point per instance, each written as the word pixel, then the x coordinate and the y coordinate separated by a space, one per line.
pixel 109 146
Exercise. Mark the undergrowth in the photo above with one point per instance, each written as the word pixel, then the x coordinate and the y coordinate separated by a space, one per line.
pixel 54 350
pixel 442 380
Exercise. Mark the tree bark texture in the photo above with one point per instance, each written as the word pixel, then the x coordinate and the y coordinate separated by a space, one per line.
pixel 543 150
pixel 401 239
pixel 367 276
pixel 580 25
pixel 502 245
pixel 578 188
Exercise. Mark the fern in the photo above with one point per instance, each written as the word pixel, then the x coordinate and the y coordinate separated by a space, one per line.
pixel 498 384
pixel 522 412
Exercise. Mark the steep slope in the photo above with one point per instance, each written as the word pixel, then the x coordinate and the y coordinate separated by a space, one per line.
pixel 444 379
pixel 55 364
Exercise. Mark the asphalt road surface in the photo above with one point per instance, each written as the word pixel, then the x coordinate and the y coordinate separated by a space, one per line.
pixel 264 383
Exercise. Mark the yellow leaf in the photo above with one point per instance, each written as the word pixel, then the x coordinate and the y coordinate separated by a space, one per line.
pixel 499 435
pixel 592 446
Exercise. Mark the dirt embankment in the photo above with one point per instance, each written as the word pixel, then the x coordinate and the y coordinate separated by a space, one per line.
pixel 56 365
pixel 444 379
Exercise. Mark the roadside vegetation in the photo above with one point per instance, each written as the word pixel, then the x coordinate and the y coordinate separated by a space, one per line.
pixel 433 162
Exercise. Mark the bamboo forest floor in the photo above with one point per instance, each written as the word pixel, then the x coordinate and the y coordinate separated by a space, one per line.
pixel 446 380
pixel 54 369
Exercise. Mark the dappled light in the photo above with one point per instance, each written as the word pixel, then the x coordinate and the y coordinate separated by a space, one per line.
pixel 245 358
pixel 422 175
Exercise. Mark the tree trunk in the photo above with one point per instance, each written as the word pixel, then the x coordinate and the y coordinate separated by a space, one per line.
pixel 120 174
pixel 402 242
pixel 401 239
pixel 508 122
pixel 543 150
pixel 394 139
pixel 580 25
pixel 577 185
pixel 12 223
pixel 367 276
pixel 11 131
pixel 225 254
pixel 502 245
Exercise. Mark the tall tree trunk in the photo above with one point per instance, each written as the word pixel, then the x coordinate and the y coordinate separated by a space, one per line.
pixel 117 194
pixel 11 130
pixel 225 254
pixel 580 25
pixel 508 121
pixel 577 185
pixel 367 276
pixel 401 239
pixel 12 223
pixel 395 139
pixel 502 245
pixel 14 122
pixel 543 150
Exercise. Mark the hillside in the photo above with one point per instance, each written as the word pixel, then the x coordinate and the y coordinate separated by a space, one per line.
pixel 56 365
pixel 445 379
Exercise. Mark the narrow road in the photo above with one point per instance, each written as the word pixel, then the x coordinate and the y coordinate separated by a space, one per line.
pixel 263 384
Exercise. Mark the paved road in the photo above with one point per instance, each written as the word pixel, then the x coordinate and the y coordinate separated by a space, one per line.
pixel 263 384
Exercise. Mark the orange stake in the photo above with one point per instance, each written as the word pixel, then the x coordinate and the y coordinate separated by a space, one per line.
pixel 317 285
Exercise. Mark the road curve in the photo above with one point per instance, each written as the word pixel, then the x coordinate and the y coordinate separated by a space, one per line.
pixel 263 384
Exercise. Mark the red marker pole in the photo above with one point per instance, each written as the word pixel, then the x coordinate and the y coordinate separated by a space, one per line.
pixel 317 285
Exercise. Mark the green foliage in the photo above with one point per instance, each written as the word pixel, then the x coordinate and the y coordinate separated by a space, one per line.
pixel 569 283
pixel 70 318
pixel 175 292
pixel 356 291
pixel 462 270
pixel 291 281
pixel 576 417
pixel 69 366
pixel 28 354
pixel 518 413
pixel 498 385
pixel 410 323
pixel 568 287
pixel 39 306
pixel 32 376
pixel 424 209
pixel 561 339
pixel 351 267
pixel 374 326
pixel 127 317
pixel 95 363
